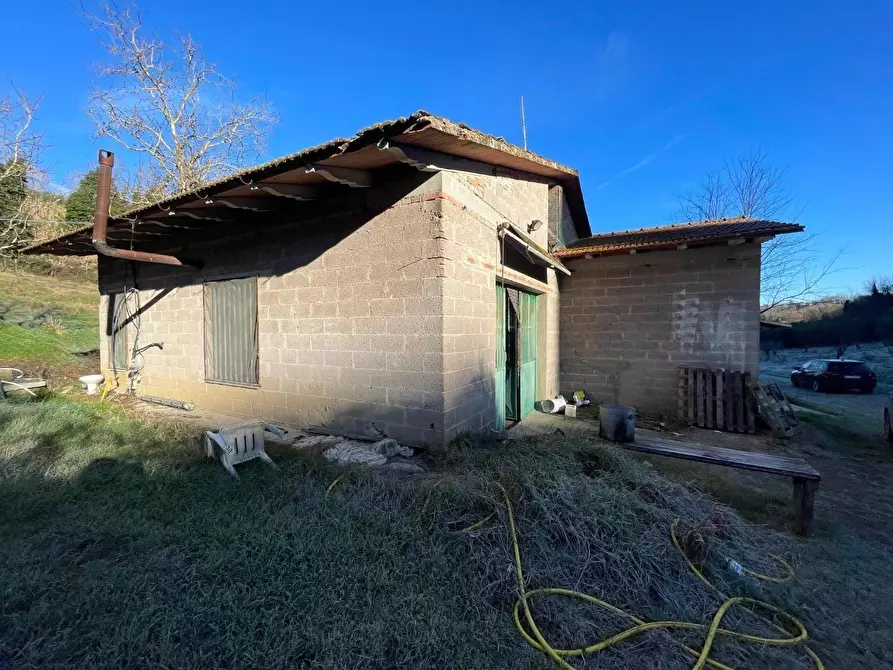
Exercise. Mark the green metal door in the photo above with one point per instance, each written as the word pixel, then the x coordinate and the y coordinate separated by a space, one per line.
pixel 528 352
pixel 499 385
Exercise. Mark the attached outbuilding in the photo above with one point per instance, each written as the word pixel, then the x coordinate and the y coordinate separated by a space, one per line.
pixel 415 281
pixel 640 304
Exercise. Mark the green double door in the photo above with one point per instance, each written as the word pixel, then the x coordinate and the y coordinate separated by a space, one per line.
pixel 515 354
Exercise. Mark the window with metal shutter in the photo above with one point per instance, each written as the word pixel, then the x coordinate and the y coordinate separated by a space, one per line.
pixel 231 331
pixel 117 330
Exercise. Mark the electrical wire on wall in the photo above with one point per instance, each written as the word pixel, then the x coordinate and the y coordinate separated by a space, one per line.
pixel 128 312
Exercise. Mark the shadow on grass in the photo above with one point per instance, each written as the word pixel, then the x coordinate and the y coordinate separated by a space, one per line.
pixel 120 545
pixel 851 437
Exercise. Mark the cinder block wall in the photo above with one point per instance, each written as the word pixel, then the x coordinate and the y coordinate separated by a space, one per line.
pixel 350 313
pixel 629 322
pixel 474 204
pixel 372 325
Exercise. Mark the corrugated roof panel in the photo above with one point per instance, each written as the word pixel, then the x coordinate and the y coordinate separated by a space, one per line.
pixel 699 233
pixel 360 151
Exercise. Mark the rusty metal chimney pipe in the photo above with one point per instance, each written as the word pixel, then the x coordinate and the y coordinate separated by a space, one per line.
pixel 101 219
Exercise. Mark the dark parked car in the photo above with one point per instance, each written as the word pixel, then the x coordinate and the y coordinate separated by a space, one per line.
pixel 834 375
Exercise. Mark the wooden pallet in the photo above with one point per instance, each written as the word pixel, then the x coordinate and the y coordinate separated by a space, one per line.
pixel 774 408
pixel 717 399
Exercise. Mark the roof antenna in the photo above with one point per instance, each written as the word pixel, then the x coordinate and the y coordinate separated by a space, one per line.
pixel 523 124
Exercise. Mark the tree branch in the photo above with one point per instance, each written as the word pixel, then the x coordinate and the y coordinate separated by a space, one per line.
pixel 170 105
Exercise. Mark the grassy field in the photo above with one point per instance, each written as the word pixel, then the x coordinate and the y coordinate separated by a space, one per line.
pixel 72 297
pixel 75 329
pixel 121 546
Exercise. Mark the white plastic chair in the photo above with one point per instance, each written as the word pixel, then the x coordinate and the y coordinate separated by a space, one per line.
pixel 240 442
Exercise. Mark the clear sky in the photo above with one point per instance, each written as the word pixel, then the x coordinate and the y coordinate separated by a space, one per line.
pixel 641 97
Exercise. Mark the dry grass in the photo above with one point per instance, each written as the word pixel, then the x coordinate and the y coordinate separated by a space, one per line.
pixel 120 546
pixel 71 297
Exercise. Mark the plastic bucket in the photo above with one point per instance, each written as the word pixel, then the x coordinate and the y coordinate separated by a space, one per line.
pixel 617 422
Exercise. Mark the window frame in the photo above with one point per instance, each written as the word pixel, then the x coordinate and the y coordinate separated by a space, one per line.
pixel 114 330
pixel 207 331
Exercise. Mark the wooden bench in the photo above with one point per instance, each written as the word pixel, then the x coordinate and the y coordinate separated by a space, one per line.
pixel 806 478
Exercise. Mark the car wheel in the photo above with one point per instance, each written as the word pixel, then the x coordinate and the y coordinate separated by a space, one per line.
pixel 816 386
pixel 888 429
pixel 868 391
pixel 794 382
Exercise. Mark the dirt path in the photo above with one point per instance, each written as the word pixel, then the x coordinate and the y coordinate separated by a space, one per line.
pixel 856 405
pixel 843 570
pixel 859 406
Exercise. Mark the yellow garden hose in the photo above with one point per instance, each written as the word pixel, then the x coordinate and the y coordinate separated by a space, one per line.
pixel 537 641
pixel 334 484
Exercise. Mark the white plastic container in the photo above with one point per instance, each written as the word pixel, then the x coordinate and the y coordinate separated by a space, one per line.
pixel 554 405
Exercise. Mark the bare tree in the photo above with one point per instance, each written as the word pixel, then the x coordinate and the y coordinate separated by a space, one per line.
pixel 879 284
pixel 171 106
pixel 20 149
pixel 751 187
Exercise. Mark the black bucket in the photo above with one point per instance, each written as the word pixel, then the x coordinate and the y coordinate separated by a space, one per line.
pixel 617 423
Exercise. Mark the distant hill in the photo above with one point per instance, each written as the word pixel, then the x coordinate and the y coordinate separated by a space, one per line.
pixel 805 311
pixel 833 321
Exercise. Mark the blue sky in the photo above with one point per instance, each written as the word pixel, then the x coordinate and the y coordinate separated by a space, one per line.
pixel 642 98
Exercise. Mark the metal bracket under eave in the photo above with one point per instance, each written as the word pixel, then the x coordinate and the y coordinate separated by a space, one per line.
pixel 507 230
pixel 419 159
pixel 293 191
pixel 239 203
pixel 197 217
pixel 426 160
pixel 346 176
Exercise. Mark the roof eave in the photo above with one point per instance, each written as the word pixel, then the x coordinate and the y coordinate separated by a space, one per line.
pixel 401 127
pixel 572 253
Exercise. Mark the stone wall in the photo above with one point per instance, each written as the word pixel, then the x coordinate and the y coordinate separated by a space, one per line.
pixel 350 314
pixel 628 322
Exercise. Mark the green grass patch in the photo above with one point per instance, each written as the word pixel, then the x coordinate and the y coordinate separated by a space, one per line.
pixel 56 346
pixel 849 436
pixel 808 404
pixel 72 326
pixel 120 545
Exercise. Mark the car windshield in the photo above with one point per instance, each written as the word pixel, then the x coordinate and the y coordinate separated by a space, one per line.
pixel 848 368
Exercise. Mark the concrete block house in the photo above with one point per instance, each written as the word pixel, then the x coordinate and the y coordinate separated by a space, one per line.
pixel 418 280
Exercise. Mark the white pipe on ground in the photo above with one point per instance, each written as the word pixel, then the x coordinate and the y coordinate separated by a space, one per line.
pixel 554 405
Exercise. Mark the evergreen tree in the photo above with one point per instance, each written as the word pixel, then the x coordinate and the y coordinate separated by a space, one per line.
pixel 81 204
